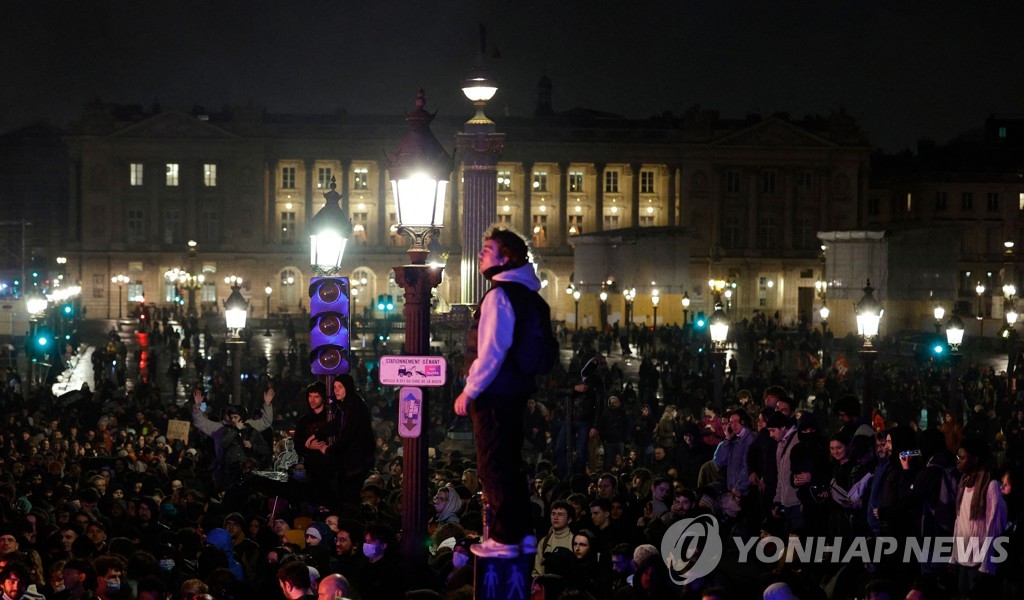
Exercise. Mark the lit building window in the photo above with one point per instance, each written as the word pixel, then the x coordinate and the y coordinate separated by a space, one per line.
pixel 646 182
pixel 575 181
pixel 360 178
pixel 359 223
pixel 323 178
pixel 135 174
pixel 172 174
pixel 575 224
pixel 287 227
pixel 504 181
pixel 611 181
pixel 540 230
pixel 288 178
pixel 210 175
pixel 540 181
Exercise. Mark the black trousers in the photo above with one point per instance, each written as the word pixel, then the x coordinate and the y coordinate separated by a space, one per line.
pixel 498 433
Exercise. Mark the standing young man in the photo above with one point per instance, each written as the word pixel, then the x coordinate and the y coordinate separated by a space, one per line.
pixel 496 392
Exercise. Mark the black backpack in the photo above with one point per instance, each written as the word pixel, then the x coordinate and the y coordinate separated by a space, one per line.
pixel 534 346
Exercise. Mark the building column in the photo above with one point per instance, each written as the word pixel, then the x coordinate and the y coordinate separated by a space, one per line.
pixel 752 213
pixel 480 147
pixel 344 186
pixel 670 198
pixel 270 202
pixel 599 197
pixel 561 238
pixel 308 209
pixel 382 209
pixel 527 201
pixel 788 210
pixel 634 202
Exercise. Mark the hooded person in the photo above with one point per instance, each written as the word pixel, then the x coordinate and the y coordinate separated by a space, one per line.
pixel 220 539
pixel 447 504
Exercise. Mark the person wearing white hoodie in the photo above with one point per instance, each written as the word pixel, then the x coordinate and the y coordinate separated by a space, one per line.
pixel 496 392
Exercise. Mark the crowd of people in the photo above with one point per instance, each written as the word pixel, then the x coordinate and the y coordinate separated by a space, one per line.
pixel 98 501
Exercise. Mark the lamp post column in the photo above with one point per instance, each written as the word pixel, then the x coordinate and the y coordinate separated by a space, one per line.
pixel 479 145
pixel 417 280
pixel 268 290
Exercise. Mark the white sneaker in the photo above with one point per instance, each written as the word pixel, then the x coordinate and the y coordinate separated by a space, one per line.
pixel 492 548
pixel 528 545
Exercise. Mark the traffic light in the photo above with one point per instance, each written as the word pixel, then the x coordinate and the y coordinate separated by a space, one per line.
pixel 329 325
pixel 68 311
pixel 700 321
pixel 385 303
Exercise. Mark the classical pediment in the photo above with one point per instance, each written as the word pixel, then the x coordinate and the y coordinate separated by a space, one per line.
pixel 172 125
pixel 773 133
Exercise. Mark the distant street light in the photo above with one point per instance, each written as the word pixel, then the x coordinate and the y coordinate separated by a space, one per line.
pixel 120 279
pixel 869 314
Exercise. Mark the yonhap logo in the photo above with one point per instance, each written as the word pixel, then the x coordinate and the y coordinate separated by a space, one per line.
pixel 691 548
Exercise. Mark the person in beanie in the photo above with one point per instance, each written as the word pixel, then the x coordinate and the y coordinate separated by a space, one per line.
pixel 496 392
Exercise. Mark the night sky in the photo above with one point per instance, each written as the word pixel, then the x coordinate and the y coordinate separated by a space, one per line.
pixel 904 69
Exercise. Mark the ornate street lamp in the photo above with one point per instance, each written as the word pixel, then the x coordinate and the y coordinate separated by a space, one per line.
pixel 686 308
pixel 869 314
pixel 954 337
pixel 236 309
pixel 655 297
pixel 420 170
pixel 329 232
pixel 120 279
pixel 938 312
pixel 719 327
pixel 576 299
pixel 268 291
pixel 824 312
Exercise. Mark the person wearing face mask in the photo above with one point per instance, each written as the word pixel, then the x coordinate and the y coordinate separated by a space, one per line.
pixel 811 473
pixel 348 559
pixel 109 573
pixel 383 578
pixel 79 581
pixel 235 439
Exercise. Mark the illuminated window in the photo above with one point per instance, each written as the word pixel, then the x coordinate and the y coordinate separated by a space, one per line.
pixel 288 178
pixel 575 181
pixel 360 178
pixel 210 175
pixel 611 181
pixel 540 230
pixel 359 224
pixel 540 181
pixel 172 174
pixel 611 221
pixel 646 182
pixel 575 224
pixel 287 227
pixel 323 178
pixel 504 181
pixel 135 174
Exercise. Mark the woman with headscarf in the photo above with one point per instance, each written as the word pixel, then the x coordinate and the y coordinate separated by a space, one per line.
pixel 447 505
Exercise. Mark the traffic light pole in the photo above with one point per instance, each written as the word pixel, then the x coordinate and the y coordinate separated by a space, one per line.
pixel 417 280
